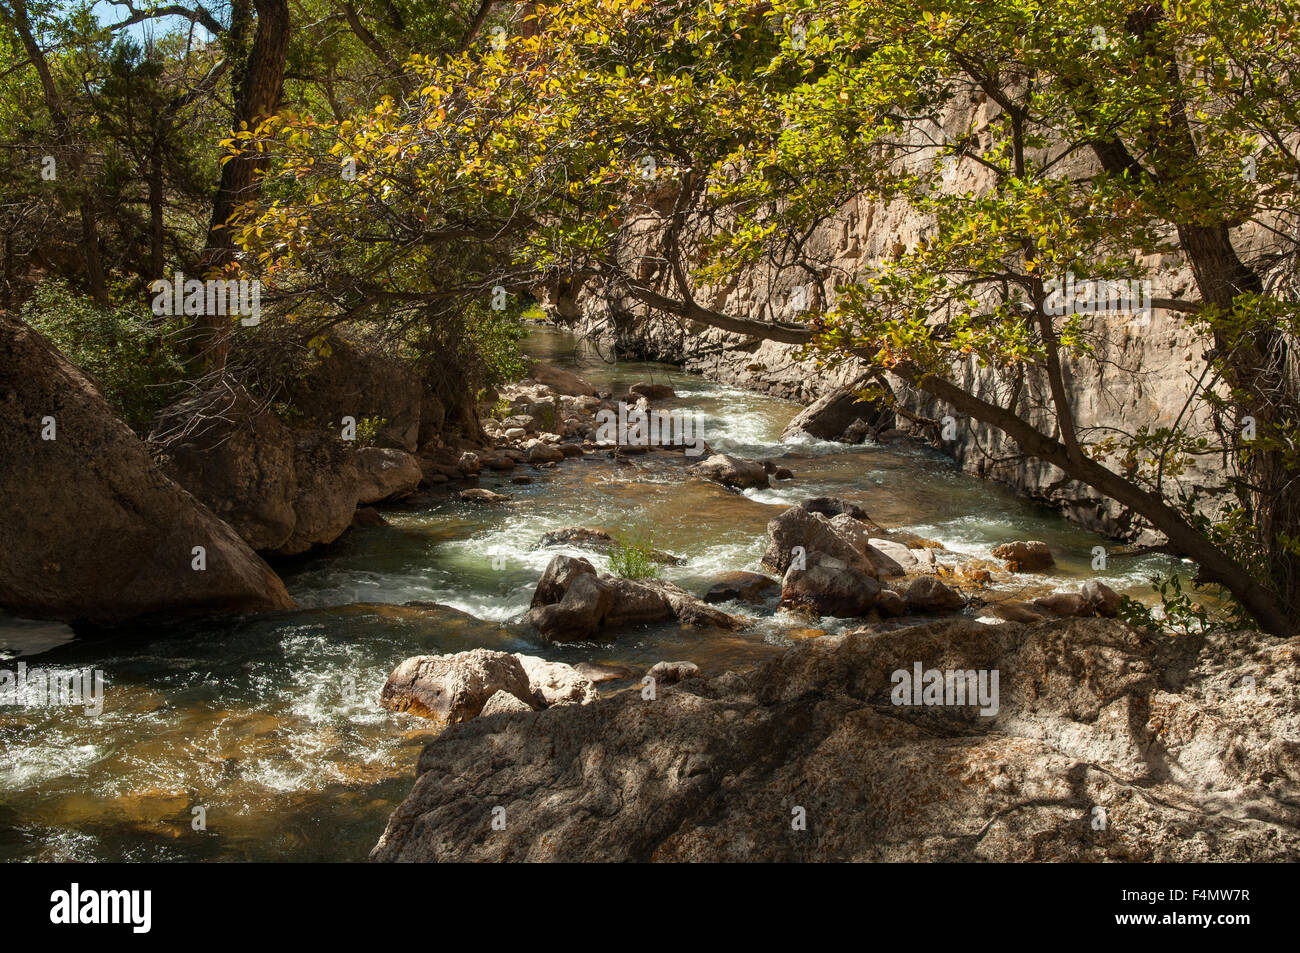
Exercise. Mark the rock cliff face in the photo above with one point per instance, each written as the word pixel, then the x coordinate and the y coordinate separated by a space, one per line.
pixel 1147 370
pixel 90 529
pixel 1107 744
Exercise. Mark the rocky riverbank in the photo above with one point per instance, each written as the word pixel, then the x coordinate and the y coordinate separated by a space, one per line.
pixel 1107 745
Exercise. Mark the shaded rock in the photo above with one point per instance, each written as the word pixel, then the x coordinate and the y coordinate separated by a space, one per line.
pixel 783 473
pixel 561 381
pixel 236 457
pixel 731 471
pixel 468 463
pixel 557 577
pixel 353 381
pixel 454 688
pixel 1091 714
pixel 1104 600
pixel 328 488
pixel 830 587
pixel 890 604
pixel 670 673
pixel 831 507
pixel 652 391
pixel 367 517
pixel 928 594
pixel 90 528
pixel 498 461
pixel 578 615
pixel 545 453
pixel 522 480
pixel 1064 604
pixel 1021 556
pixel 384 473
pixel 503 703
pixel 741 586
pixel 830 416
pixel 1015 612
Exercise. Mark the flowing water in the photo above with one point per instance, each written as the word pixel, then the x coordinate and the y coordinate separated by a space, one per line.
pixel 266 732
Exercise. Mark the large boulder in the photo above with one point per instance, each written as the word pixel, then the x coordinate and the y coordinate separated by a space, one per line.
pixel 1107 744
pixel 797 530
pixel 353 381
pixel 90 528
pixel 236 457
pixel 454 688
pixel 734 472
pixel 829 417
pixel 328 484
pixel 384 473
pixel 828 586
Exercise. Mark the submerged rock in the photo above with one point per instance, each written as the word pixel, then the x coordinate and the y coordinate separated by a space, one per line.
pixel 479 495
pixel 1091 715
pixel 90 528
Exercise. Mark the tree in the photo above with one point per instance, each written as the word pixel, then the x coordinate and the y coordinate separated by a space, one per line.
pixel 655 148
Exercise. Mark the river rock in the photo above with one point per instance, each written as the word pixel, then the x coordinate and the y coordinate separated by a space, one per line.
pixel 545 453
pixel 652 391
pixel 670 673
pixel 1022 556
pixel 889 604
pixel 572 604
pixel 830 507
pixel 367 517
pixel 830 416
pixel 1104 600
pixel 468 463
pixel 384 473
pixel 454 688
pixel 896 554
pixel 741 586
pixel 732 471
pixel 829 587
pixel 485 497
pixel 561 381
pixel 1064 604
pixel 503 703
pixel 90 528
pixel 813 532
pixel 928 594
pixel 1090 714
pixel 556 683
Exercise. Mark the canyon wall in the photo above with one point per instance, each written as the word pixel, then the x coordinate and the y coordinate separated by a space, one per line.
pixel 1141 376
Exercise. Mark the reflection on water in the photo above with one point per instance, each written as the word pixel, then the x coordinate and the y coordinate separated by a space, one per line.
pixel 269 729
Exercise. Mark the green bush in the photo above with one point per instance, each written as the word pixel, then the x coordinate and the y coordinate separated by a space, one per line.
pixel 133 355
pixel 633 559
